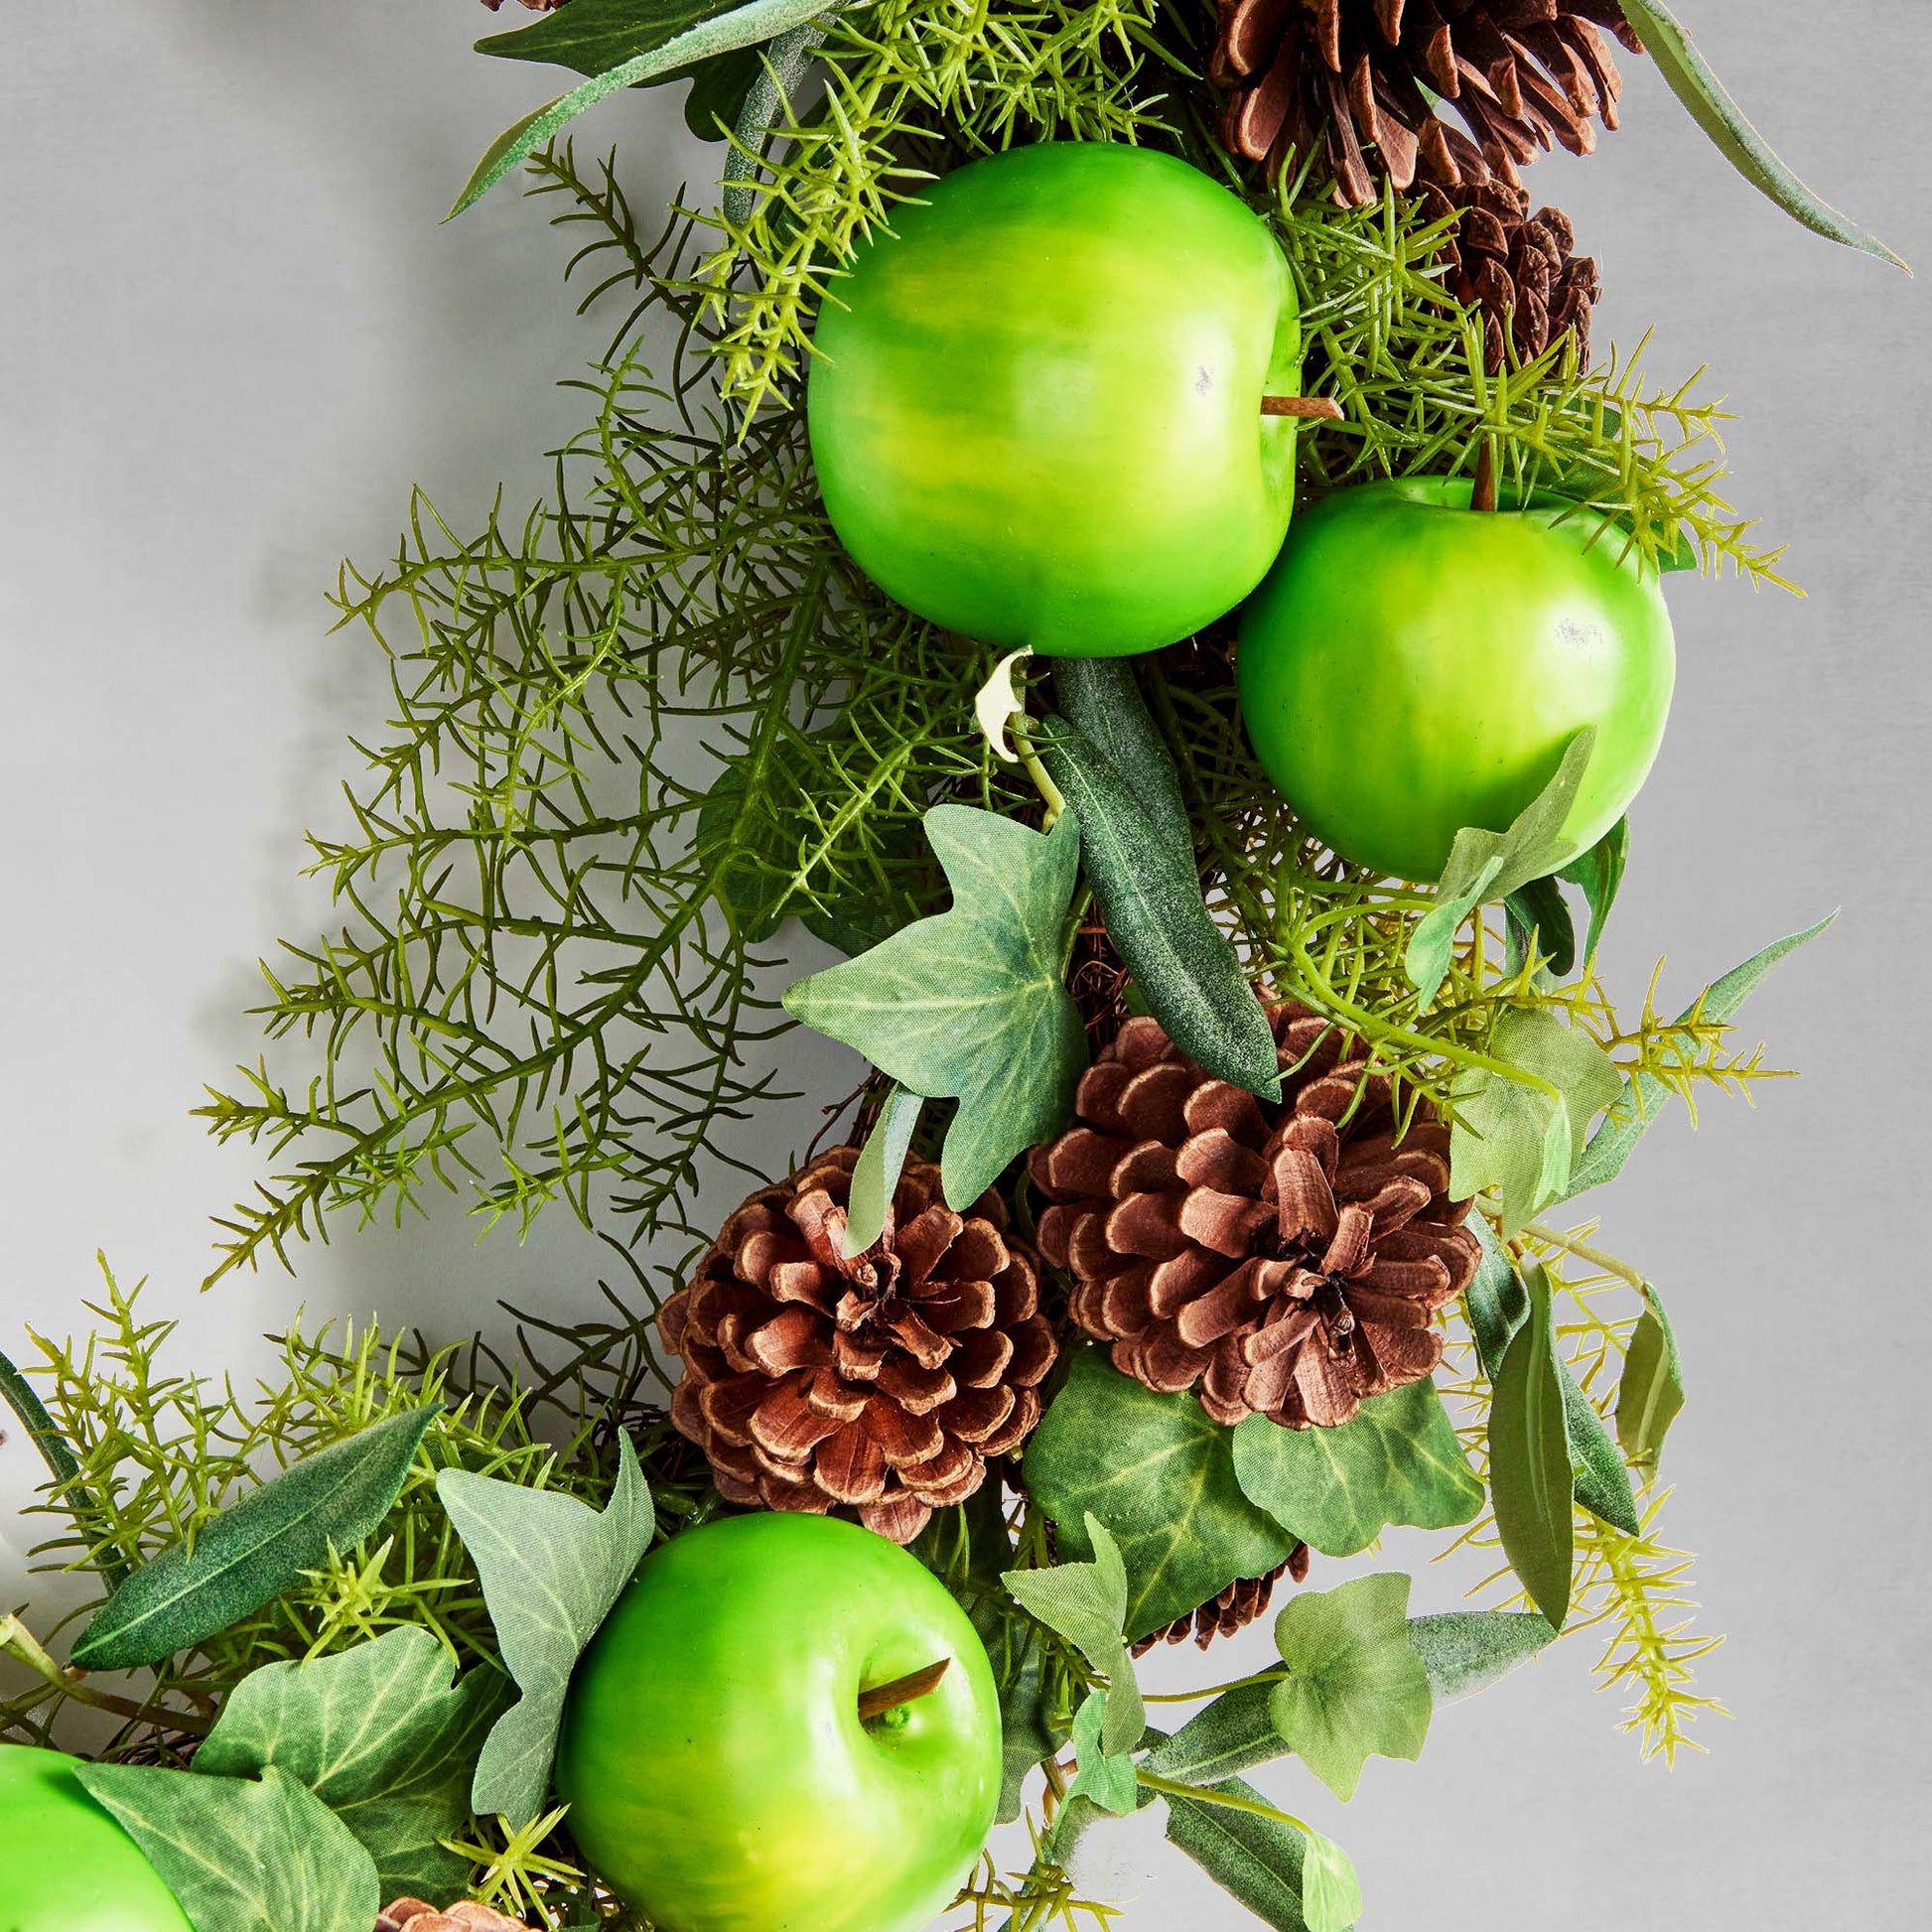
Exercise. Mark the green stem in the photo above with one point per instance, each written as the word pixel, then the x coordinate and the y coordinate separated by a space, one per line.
pixel 63 1464
pixel 1201 1795
pixel 21 1642
pixel 1585 1252
pixel 1218 1689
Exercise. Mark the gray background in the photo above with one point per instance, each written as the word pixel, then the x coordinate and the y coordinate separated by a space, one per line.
pixel 232 335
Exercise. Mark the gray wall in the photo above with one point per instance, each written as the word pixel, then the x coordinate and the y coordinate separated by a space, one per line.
pixel 232 335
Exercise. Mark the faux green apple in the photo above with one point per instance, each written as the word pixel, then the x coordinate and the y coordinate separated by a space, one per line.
pixel 65 1865
pixel 718 1770
pixel 1411 666
pixel 1038 405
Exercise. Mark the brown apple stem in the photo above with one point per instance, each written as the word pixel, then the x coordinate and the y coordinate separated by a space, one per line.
pixel 1310 409
pixel 902 1690
pixel 1483 497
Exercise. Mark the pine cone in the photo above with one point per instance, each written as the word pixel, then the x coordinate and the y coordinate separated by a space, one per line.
pixel 465 1917
pixel 1521 73
pixel 885 1383
pixel 1520 269
pixel 1288 1260
pixel 1237 1606
pixel 536 7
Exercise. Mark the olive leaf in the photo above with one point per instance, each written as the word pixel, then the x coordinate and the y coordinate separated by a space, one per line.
pixel 1398 1461
pixel 1102 700
pixel 551 1567
pixel 1644 1096
pixel 972 1003
pixel 1530 1471
pixel 1668 42
pixel 1232 1734
pixel 881 1162
pixel 1150 896
pixel 1652 1390
pixel 1538 911
pixel 1289 1877
pixel 1356 1687
pixel 1160 1475
pixel 381 1735
pixel 1466 1651
pixel 256 1547
pixel 1522 1138
pixel 242 1856
pixel 1106 1771
pixel 1486 866
pixel 1598 874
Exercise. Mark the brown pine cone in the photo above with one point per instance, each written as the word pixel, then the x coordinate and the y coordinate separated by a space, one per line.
pixel 536 7
pixel 1357 75
pixel 1520 269
pixel 1237 1606
pixel 1288 1260
pixel 465 1917
pixel 883 1384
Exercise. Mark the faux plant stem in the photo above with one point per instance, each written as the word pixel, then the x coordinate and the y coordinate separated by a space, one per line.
pixel 1200 1795
pixel 902 1691
pixel 1585 1252
pixel 21 1642
pixel 1310 409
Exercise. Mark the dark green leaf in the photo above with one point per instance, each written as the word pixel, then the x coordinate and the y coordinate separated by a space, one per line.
pixel 1466 1651
pixel 69 1490
pixel 1232 1734
pixel 1356 1685
pixel 256 1548
pixel 241 1855
pixel 1256 1861
pixel 1652 1390
pixel 881 1162
pixel 1530 1471
pixel 595 36
pixel 681 46
pixel 381 1736
pixel 973 1002
pixel 1086 1603
pixel 1160 1476
pixel 780 72
pixel 1643 1098
pixel 1106 1775
pixel 720 88
pixel 1484 865
pixel 1149 898
pixel 550 1566
pixel 1102 700
pixel 1599 874
pixel 1337 1490
pixel 1537 912
pixel 1496 1299
pixel 1668 42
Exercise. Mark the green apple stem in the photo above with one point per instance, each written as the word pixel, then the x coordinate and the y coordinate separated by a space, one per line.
pixel 1312 409
pixel 902 1690
pixel 1483 497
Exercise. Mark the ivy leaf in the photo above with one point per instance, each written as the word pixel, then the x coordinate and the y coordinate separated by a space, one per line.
pixel 1106 1774
pixel 1086 1602
pixel 551 1567
pixel 378 1735
pixel 256 1548
pixel 1530 1472
pixel 1258 1861
pixel 1150 896
pixel 882 1160
pixel 1652 1390
pixel 679 37
pixel 973 1002
pixel 1336 1489
pixel 1668 42
pixel 1160 1475
pixel 1642 1098
pixel 1331 1895
pixel 1466 1651
pixel 241 1855
pixel 1356 1687
pixel 1522 1140
pixel 1485 865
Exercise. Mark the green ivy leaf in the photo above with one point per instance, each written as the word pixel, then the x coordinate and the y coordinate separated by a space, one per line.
pixel 1336 1489
pixel 1652 1390
pixel 1522 1140
pixel 1106 1774
pixel 1642 1099
pixel 1466 1651
pixel 381 1736
pixel 1256 1861
pixel 1086 1602
pixel 1160 1475
pixel 256 1548
pixel 1331 1895
pixel 1150 896
pixel 550 1566
pixel 1356 1687
pixel 973 1002
pixel 881 1162
pixel 1485 865
pixel 1530 1471
pixel 1668 42
pixel 241 1856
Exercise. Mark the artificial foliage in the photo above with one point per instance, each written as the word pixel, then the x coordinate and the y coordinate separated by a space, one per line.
pixel 1207 1206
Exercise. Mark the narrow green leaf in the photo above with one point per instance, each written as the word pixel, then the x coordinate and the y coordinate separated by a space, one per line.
pixel 778 75
pixel 550 1566
pixel 1258 1861
pixel 595 36
pixel 1149 898
pixel 1538 911
pixel 1160 1475
pixel 1642 1099
pixel 381 1735
pixel 256 1548
pixel 1496 1299
pixel 973 1002
pixel 67 1490
pixel 1232 1734
pixel 1102 699
pixel 881 1162
pixel 1652 1390
pixel 1530 1474
pixel 1356 1685
pixel 241 1855
pixel 716 34
pixel 1337 1490
pixel 1668 42
pixel 1599 1479
pixel 1599 875
pixel 1466 1651
pixel 1106 1774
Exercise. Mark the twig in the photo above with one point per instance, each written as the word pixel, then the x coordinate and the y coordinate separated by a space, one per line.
pixel 17 1638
